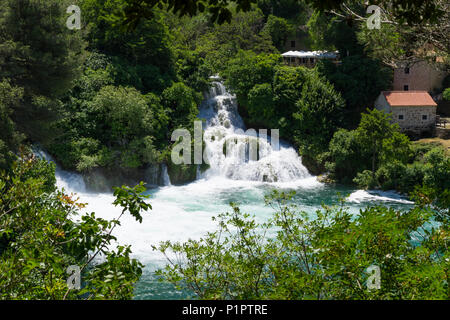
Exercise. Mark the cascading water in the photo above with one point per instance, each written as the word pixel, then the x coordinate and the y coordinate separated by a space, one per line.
pixel 227 146
pixel 66 180
pixel 165 176
pixel 184 212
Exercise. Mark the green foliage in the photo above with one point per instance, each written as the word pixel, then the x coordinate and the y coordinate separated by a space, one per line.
pixel 359 79
pixel 131 200
pixel 261 107
pixel 377 155
pixel 287 86
pixel 294 11
pixel 279 30
pixel 109 126
pixel 247 70
pixel 45 61
pixel 374 132
pixel 218 10
pixel 411 11
pixel 145 50
pixel 124 119
pixel 397 42
pixel 39 239
pixel 191 67
pixel 245 32
pixel 314 132
pixel 347 161
pixel 115 278
pixel 374 143
pixel 446 94
pixel 40 57
pixel 329 32
pixel 217 44
pixel 295 256
pixel 181 103
pixel 9 138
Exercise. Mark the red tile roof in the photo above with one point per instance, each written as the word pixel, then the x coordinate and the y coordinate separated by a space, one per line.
pixel 409 98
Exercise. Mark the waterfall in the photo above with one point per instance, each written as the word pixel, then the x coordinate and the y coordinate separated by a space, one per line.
pixel 70 181
pixel 231 160
pixel 165 176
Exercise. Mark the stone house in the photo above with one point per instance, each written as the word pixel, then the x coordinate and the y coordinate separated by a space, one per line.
pixel 298 41
pixel 414 111
pixel 418 76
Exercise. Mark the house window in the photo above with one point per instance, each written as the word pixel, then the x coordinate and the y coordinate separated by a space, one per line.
pixel 405 87
pixel 406 70
pixel 400 117
pixel 424 117
pixel 293 44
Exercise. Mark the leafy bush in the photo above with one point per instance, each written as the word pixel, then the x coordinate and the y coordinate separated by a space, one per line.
pixel 39 239
pixel 279 30
pixel 296 256
pixel 181 103
pixel 446 94
pixel 10 139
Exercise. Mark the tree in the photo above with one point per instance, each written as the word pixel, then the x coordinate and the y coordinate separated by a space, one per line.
pixel 261 106
pixel 294 11
pixel 410 31
pixel 318 115
pixel 141 57
pixel 345 157
pixel 327 32
pixel 40 55
pixel 219 11
pixel 279 30
pixel 43 61
pixel 375 154
pixel 248 69
pixel 446 94
pixel 10 139
pixel 125 121
pixel 373 129
pixel 409 10
pixel 359 79
pixel 182 105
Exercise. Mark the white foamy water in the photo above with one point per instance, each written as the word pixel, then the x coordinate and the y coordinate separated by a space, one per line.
pixel 370 195
pixel 224 127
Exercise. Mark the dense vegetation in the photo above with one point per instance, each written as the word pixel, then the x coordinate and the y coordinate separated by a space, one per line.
pixel 108 96
pixel 39 239
pixel 376 154
pixel 322 257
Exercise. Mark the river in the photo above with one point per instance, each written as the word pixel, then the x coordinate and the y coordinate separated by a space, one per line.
pixel 183 212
